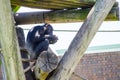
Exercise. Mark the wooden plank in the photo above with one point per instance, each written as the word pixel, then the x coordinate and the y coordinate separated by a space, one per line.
pixel 54 4
pixel 82 39
pixel 61 16
pixel 9 44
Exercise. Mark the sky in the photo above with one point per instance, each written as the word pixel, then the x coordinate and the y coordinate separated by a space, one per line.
pixel 65 38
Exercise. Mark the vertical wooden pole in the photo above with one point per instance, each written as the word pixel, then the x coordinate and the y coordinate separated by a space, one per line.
pixel 82 40
pixel 9 43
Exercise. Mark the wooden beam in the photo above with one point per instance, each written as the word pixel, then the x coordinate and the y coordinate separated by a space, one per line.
pixel 54 4
pixel 82 39
pixel 9 43
pixel 60 16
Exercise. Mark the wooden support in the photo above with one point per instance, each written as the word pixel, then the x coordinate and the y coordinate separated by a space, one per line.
pixel 61 16
pixel 82 39
pixel 9 43
pixel 54 4
pixel 24 54
pixel 46 62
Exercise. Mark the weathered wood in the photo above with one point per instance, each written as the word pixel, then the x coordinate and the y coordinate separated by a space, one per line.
pixel 78 77
pixel 61 16
pixel 24 54
pixel 46 62
pixel 82 40
pixel 54 4
pixel 9 43
pixel 3 67
pixel 20 37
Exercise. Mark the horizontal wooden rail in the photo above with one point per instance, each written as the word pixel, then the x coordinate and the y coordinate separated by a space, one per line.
pixel 60 16
pixel 55 4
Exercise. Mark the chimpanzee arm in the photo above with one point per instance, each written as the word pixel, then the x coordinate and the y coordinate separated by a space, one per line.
pixel 52 38
pixel 38 39
pixel 49 34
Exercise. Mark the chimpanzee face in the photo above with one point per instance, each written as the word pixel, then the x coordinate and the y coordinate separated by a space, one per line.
pixel 49 30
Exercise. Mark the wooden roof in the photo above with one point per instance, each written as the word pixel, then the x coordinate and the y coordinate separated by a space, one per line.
pixel 54 4
pixel 57 13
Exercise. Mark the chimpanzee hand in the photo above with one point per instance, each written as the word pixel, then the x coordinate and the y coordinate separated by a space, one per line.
pixel 53 39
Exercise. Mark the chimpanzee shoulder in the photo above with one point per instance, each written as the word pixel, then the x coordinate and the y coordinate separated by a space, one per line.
pixel 32 32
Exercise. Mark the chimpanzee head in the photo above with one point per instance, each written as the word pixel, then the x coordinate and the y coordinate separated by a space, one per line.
pixel 49 29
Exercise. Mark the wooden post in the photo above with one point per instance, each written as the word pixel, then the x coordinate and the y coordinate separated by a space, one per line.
pixel 82 40
pixel 24 53
pixel 46 62
pixel 9 43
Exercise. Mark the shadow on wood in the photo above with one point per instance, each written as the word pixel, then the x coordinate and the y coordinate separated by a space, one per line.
pixel 24 53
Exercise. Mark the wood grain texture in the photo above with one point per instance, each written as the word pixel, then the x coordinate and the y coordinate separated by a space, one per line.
pixel 9 43
pixel 46 62
pixel 60 16
pixel 54 4
pixel 82 39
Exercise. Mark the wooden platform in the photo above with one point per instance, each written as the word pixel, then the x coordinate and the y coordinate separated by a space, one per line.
pixel 61 11
pixel 55 4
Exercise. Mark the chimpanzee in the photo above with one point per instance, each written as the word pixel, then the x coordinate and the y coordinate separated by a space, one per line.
pixel 39 38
